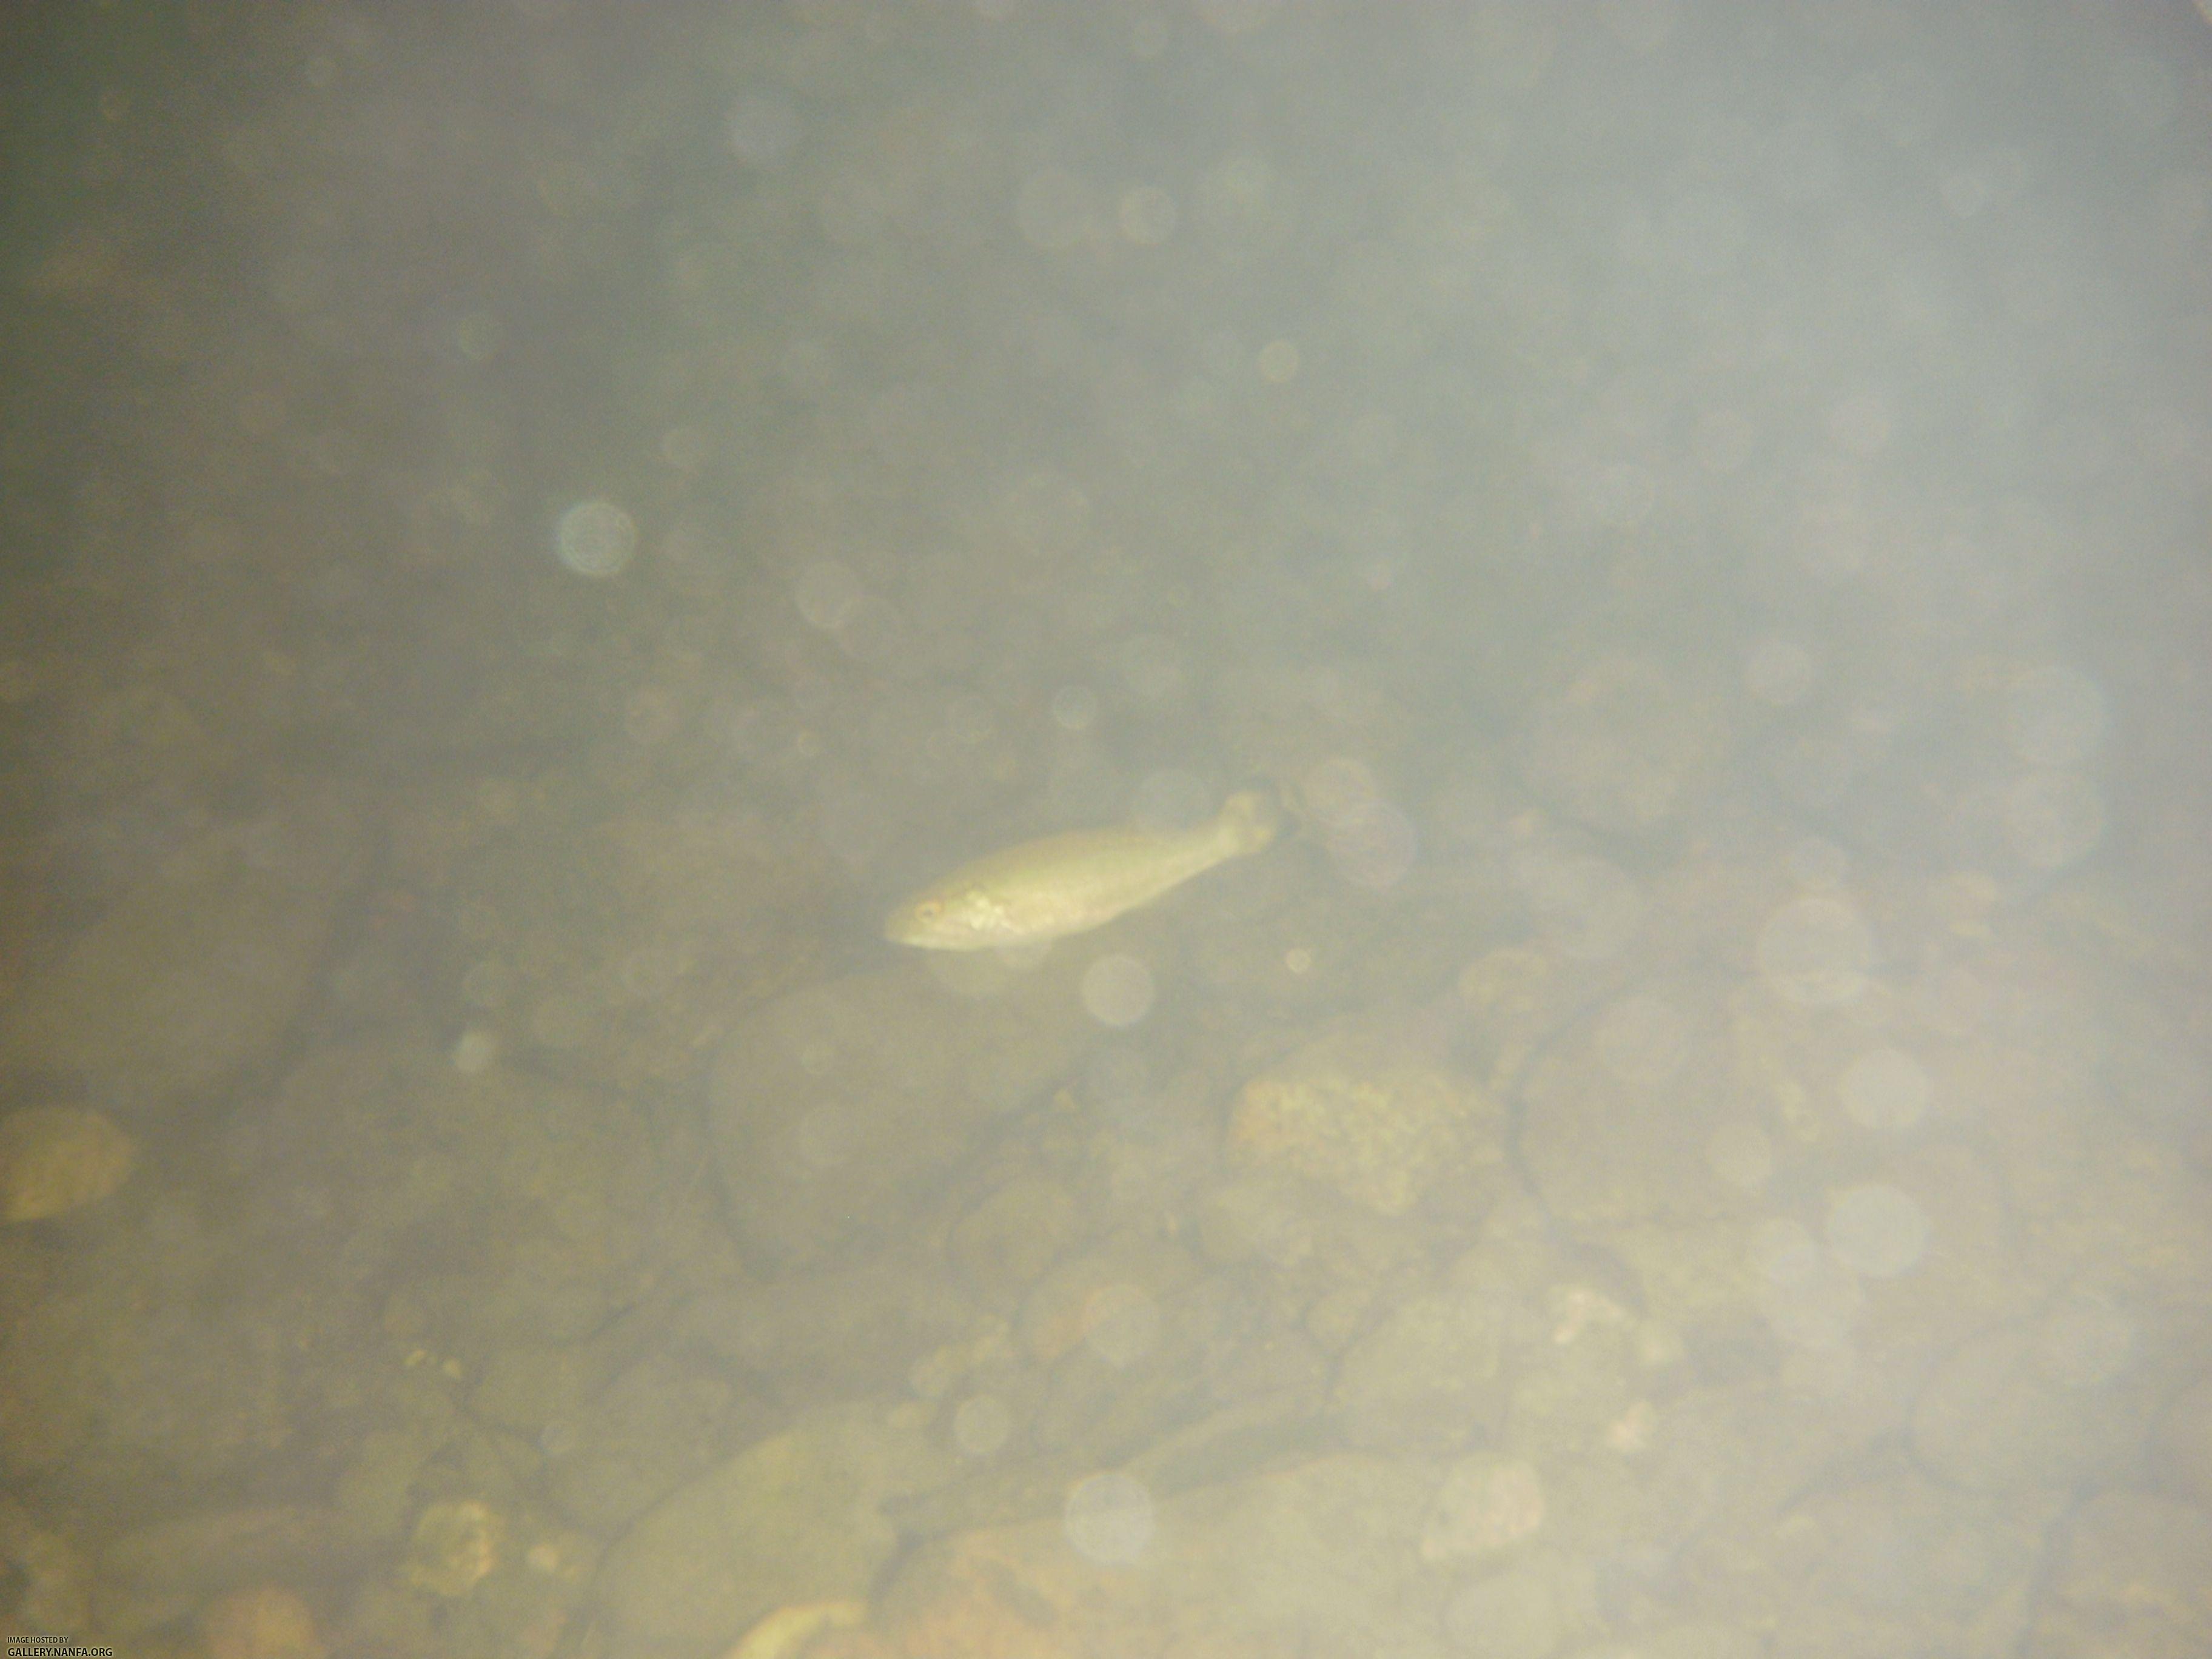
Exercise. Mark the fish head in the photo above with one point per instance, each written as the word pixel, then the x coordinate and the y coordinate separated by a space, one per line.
pixel 949 918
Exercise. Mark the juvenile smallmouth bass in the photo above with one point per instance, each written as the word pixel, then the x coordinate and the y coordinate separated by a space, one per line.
pixel 1070 883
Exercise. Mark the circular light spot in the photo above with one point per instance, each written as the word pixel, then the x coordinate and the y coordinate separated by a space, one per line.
pixel 981 1425
pixel 1121 1324
pixel 851 210
pixel 1152 667
pixel 561 1020
pixel 1587 907
pixel 971 719
pixel 1885 1090
pixel 2146 90
pixel 1146 215
pixel 825 1136
pixel 650 972
pixel 1965 190
pixel 2085 1342
pixel 685 448
pixel 1803 158
pixel 877 633
pixel 1334 788
pixel 1816 862
pixel 500 800
pixel 2055 716
pixel 475 1050
pixel 1785 1252
pixel 1704 232
pixel 763 128
pixel 1642 1039
pixel 595 538
pixel 807 366
pixel 1117 990
pixel 487 982
pixel 1108 1519
pixel 1816 952
pixel 1817 1313
pixel 1373 845
pixel 1724 440
pixel 2053 818
pixel 1046 512
pixel 1778 672
pixel 1279 361
pixel 1236 17
pixel 1621 497
pixel 1053 210
pixel 1741 1154
pixel 1074 708
pixel 651 714
pixel 1861 424
pixel 1878 1229
pixel 478 334
pixel 826 593
pixel 1643 26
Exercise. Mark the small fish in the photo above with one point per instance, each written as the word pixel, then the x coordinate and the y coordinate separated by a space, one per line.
pixel 1070 883
pixel 792 1629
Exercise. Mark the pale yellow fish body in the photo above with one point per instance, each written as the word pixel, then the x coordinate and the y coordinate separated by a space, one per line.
pixel 792 1629
pixel 1070 883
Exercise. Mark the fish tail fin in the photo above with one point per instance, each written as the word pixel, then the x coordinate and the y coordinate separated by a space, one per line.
pixel 1249 820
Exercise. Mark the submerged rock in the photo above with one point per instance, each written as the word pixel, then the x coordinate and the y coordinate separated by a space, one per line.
pixel 266 1621
pixel 2184 1441
pixel 1322 1557
pixel 847 1330
pixel 198 969
pixel 641 1439
pixel 1621 1113
pixel 1428 1371
pixel 1488 1504
pixel 2136 1578
pixel 1370 1108
pixel 1625 748
pixel 835 1109
pixel 163 1572
pixel 1997 1415
pixel 457 1544
pixel 58 1158
pixel 796 1517
pixel 51 1579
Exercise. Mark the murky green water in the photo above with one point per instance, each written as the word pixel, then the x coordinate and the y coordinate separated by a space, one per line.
pixel 528 526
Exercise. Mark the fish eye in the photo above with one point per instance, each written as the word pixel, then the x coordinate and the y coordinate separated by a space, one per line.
pixel 928 909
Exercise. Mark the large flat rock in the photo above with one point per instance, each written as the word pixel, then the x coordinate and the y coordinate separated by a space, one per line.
pixel 792 1518
pixel 201 968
